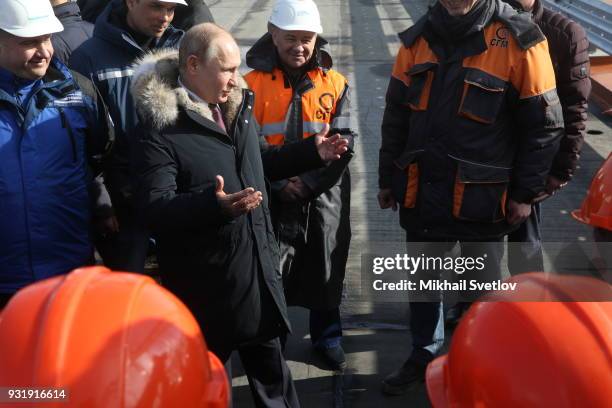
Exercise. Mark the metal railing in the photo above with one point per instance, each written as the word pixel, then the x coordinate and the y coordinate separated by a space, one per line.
pixel 594 16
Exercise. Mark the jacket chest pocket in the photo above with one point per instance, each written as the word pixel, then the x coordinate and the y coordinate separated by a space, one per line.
pixel 405 179
pixel 480 192
pixel 75 128
pixel 482 98
pixel 417 93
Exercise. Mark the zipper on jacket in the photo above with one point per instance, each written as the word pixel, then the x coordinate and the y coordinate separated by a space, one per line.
pixel 66 125
pixel 234 131
pixel 26 211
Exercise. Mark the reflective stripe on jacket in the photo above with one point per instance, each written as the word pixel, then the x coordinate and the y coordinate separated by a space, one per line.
pixel 273 103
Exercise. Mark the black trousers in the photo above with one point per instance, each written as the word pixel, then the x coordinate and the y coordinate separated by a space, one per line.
pixel 525 245
pixel 426 318
pixel 127 249
pixel 268 374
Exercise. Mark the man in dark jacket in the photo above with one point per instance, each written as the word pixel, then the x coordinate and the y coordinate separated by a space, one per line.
pixel 202 190
pixel 76 31
pixel 124 32
pixel 196 12
pixel 52 126
pixel 295 98
pixel 569 51
pixel 469 132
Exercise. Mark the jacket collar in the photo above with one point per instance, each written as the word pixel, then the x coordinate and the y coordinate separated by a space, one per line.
pixel 56 84
pixel 66 10
pixel 467 37
pixel 11 84
pixel 520 25
pixel 263 57
pixel 159 97
pixel 537 11
pixel 55 78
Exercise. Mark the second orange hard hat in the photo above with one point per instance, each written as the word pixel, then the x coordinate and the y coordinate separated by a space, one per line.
pixel 596 209
pixel 530 354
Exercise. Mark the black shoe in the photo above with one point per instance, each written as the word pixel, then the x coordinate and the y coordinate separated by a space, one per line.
pixel 333 357
pixel 402 380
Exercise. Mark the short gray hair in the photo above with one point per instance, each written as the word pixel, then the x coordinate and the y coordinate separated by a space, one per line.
pixel 200 41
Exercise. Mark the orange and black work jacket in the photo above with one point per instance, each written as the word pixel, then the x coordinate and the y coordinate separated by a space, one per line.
pixel 464 132
pixel 314 236
pixel 289 112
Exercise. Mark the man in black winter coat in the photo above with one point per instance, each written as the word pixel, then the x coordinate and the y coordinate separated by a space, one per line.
pixel 201 188
pixel 125 30
pixel 76 31
pixel 569 52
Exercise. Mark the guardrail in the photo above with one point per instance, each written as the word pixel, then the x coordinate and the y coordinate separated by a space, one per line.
pixel 594 16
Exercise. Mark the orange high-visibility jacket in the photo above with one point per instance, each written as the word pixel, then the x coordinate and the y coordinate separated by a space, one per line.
pixel 277 103
pixel 290 112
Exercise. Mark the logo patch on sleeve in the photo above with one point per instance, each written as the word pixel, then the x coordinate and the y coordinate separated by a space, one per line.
pixel 73 99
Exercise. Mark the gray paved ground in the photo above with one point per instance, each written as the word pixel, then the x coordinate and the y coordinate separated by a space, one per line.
pixel 363 36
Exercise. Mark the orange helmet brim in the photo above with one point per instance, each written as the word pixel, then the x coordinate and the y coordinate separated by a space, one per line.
pixel 436 382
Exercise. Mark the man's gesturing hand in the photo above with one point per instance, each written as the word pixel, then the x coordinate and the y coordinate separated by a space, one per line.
pixel 330 148
pixel 239 203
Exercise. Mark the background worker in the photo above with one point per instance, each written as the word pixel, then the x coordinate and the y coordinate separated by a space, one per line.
pixel 470 129
pixel 298 92
pixel 53 130
pixel 124 31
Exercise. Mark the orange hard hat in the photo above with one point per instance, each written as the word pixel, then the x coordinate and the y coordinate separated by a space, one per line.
pixel 109 339
pixel 530 354
pixel 596 209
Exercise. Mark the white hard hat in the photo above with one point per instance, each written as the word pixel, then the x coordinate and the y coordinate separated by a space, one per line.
pixel 29 18
pixel 175 1
pixel 296 15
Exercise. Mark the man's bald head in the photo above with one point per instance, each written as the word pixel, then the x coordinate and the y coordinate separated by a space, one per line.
pixel 203 40
pixel 209 59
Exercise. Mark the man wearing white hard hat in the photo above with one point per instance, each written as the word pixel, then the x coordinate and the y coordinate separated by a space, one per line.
pixel 299 95
pixel 124 31
pixel 51 126
pixel 196 12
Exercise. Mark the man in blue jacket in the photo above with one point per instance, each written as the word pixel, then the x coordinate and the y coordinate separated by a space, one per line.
pixel 50 124
pixel 123 32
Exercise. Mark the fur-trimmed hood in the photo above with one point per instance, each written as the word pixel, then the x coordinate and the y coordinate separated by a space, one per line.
pixel 158 97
